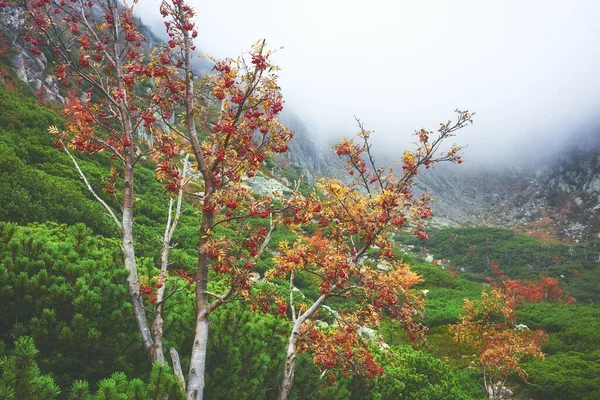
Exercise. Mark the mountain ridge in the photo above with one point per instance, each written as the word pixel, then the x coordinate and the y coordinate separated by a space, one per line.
pixel 559 195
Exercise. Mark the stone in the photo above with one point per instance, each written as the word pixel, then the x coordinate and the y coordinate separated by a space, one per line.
pixel 368 333
pixel 322 324
pixel 521 327
pixel 594 185
pixel 39 64
pixel 265 186
pixel 35 84
pixel 332 311
pixel 19 64
pixel 384 266
pixel 49 80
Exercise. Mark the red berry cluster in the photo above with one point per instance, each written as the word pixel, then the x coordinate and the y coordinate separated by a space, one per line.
pixel 109 189
pixel 420 234
pixel 169 175
pixel 259 61
pixel 148 291
pixel 184 275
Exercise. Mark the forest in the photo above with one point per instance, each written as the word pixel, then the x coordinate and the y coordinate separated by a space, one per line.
pixel 135 263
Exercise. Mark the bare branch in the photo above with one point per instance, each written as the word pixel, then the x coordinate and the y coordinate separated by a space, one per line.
pixel 292 296
pixel 177 368
pixel 265 243
pixel 221 299
pixel 84 178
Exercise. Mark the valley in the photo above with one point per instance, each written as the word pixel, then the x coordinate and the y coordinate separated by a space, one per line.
pixel 290 276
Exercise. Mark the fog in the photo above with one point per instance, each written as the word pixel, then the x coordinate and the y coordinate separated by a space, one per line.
pixel 529 69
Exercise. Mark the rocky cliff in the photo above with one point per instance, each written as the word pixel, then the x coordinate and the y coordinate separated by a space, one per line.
pixel 306 158
pixel 559 195
pixel 555 198
pixel 30 68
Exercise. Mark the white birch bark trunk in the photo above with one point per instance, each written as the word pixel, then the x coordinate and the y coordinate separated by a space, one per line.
pixel 195 386
pixel 133 280
pixel 177 368
pixel 289 368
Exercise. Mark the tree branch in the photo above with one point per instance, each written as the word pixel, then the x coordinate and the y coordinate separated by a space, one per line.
pixel 84 178
pixel 292 296
pixel 177 368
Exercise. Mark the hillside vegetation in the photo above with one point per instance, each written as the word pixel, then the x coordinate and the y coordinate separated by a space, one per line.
pixel 63 286
pixel 65 315
pixel 568 371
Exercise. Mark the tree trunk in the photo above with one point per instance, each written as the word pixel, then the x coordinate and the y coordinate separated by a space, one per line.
pixel 289 369
pixel 133 282
pixel 287 381
pixel 128 173
pixel 157 322
pixel 172 222
pixel 126 227
pixel 195 386
pixel 488 387
pixel 177 368
pixel 157 327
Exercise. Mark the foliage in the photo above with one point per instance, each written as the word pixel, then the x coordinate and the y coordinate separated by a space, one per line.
pixel 413 374
pixel 20 377
pixel 245 354
pixel 64 287
pixel 161 385
pixel 354 219
pixel 35 183
pixel 568 375
pixel 445 292
pixel 101 56
pixel 38 183
pixel 516 290
pixel 409 374
pixel 98 46
pixel 521 257
pixel 489 326
pixel 572 327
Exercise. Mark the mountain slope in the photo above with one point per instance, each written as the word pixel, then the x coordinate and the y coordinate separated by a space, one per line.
pixel 559 197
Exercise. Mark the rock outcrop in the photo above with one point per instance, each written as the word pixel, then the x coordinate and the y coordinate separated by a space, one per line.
pixel 561 193
pixel 30 68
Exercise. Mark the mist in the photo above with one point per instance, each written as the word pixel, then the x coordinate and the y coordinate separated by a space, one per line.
pixel 529 69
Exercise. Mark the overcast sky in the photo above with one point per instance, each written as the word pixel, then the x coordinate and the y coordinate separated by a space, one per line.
pixel 529 68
